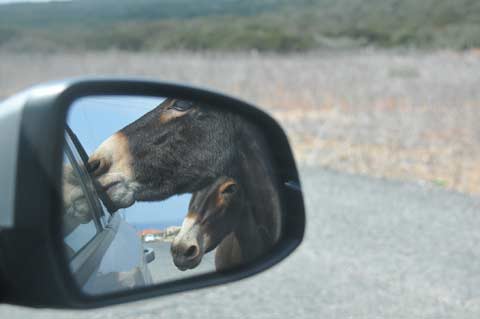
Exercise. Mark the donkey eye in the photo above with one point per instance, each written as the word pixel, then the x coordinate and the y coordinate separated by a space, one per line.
pixel 181 106
pixel 230 189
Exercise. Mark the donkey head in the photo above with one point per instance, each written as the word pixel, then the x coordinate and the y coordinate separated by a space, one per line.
pixel 178 147
pixel 213 213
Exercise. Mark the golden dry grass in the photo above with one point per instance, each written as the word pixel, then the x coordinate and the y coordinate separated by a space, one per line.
pixel 408 116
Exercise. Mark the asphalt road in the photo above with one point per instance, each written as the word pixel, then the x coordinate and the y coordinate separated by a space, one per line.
pixel 163 269
pixel 373 249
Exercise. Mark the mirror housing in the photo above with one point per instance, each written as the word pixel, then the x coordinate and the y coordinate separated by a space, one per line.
pixel 32 137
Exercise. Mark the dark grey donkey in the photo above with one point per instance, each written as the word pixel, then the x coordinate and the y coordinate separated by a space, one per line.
pixel 182 147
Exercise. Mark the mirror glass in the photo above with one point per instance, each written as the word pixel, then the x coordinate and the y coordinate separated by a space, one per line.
pixel 159 189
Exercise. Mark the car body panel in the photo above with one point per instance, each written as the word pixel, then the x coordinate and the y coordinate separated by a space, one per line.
pixel 123 265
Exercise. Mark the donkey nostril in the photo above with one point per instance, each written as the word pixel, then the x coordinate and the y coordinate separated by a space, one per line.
pixel 191 252
pixel 97 167
pixel 92 166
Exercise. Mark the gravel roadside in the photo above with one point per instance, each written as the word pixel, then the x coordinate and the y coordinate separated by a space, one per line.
pixel 373 249
pixel 405 115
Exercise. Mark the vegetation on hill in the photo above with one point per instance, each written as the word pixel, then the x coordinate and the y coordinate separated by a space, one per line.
pixel 231 25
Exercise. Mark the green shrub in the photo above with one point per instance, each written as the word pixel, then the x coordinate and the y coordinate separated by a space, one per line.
pixel 270 25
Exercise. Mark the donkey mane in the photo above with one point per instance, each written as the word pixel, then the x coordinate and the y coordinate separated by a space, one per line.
pixel 256 174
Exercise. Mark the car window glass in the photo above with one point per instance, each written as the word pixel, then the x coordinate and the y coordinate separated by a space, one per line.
pixel 80 236
pixel 80 224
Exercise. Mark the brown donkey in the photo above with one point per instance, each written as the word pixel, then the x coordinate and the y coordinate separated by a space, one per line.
pixel 219 216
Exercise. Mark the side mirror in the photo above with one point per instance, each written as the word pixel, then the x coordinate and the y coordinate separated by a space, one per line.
pixel 119 190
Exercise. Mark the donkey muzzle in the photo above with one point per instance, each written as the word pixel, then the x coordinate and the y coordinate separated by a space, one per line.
pixel 187 251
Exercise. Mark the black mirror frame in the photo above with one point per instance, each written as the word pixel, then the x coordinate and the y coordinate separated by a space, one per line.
pixel 35 242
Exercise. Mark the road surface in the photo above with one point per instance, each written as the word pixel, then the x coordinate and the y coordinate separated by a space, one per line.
pixel 373 249
pixel 163 269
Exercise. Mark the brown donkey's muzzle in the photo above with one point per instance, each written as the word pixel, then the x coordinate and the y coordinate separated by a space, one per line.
pixel 186 256
pixel 187 247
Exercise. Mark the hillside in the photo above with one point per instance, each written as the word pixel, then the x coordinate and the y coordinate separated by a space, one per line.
pixel 234 25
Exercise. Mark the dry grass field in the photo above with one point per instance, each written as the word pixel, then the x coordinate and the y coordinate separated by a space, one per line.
pixel 401 115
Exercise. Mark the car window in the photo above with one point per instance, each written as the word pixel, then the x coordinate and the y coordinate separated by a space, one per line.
pixel 83 215
pixel 97 197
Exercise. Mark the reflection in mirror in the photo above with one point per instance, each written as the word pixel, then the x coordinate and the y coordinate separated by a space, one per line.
pixel 159 189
